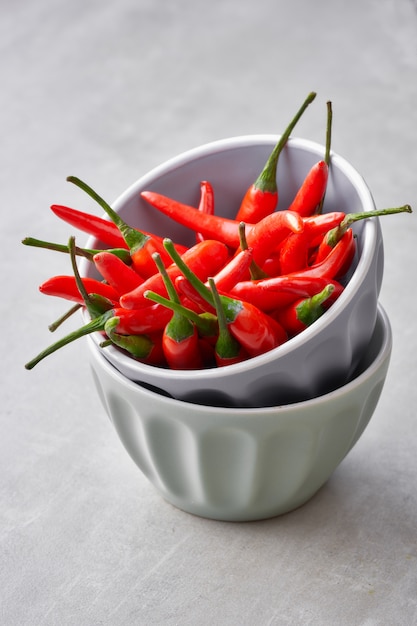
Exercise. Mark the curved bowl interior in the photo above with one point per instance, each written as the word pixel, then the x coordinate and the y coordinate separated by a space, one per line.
pixel 243 464
pixel 325 354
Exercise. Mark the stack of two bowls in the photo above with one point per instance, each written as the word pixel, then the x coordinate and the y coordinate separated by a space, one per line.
pixel 258 438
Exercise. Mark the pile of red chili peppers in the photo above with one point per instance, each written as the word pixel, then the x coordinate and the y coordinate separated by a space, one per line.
pixel 245 287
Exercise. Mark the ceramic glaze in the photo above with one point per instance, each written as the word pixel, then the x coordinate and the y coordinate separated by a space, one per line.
pixel 240 464
pixel 324 355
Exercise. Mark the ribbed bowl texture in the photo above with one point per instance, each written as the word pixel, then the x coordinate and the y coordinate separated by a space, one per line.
pixel 242 464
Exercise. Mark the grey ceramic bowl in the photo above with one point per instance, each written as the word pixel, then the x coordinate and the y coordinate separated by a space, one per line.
pixel 242 464
pixel 324 355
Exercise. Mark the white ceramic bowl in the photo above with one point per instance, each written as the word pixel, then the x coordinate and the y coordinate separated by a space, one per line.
pixel 324 355
pixel 242 464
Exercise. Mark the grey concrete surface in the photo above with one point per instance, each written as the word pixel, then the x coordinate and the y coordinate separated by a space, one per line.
pixel 105 91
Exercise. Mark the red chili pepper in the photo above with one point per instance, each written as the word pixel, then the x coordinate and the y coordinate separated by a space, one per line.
pixel 311 191
pixel 142 321
pixel 186 290
pixel 253 329
pixel 141 246
pixel 234 270
pixel 205 322
pixel 180 344
pixel 66 287
pixel 268 233
pixel 210 226
pixel 295 250
pixel 303 312
pixel 332 236
pixel 227 349
pixel 144 348
pixel 205 259
pixel 270 294
pixel 336 263
pixel 119 275
pixel 145 321
pixel 206 204
pixel 261 198
pixel 102 229
pixel 180 340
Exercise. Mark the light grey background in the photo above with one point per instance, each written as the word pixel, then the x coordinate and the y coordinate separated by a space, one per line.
pixel 105 91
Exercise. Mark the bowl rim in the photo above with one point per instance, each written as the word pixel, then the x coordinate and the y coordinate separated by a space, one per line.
pixel 349 293
pixel 381 357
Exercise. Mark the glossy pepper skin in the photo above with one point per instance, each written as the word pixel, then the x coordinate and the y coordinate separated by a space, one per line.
pixel 116 273
pixel 261 198
pixel 206 204
pixel 205 259
pixel 144 348
pixel 303 312
pixel 253 329
pixel 311 191
pixel 269 294
pixel 102 229
pixel 63 286
pixel 210 226
pixel 141 245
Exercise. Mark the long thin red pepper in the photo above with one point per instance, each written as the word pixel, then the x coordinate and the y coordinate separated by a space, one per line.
pixel 334 234
pixel 234 270
pixel 66 287
pixel 141 246
pixel 336 263
pixel 332 267
pixel 303 312
pixel 293 252
pixel 310 196
pixel 270 294
pixel 205 259
pixel 115 272
pixel 227 349
pixel 210 226
pixel 145 321
pixel 295 249
pixel 253 329
pixel 144 348
pixel 180 340
pixel 100 228
pixel 268 233
pixel 312 190
pixel 261 198
pixel 206 204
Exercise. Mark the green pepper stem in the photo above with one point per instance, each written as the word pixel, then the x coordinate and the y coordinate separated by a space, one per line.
pixel 231 306
pixel 138 346
pixel 205 322
pixel 310 309
pixel 63 318
pixel 335 234
pixel 57 247
pixel 169 285
pixel 255 271
pixel 266 180
pixel 94 325
pixel 319 209
pixel 227 346
pixel 135 239
pixel 88 253
pixel 198 285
